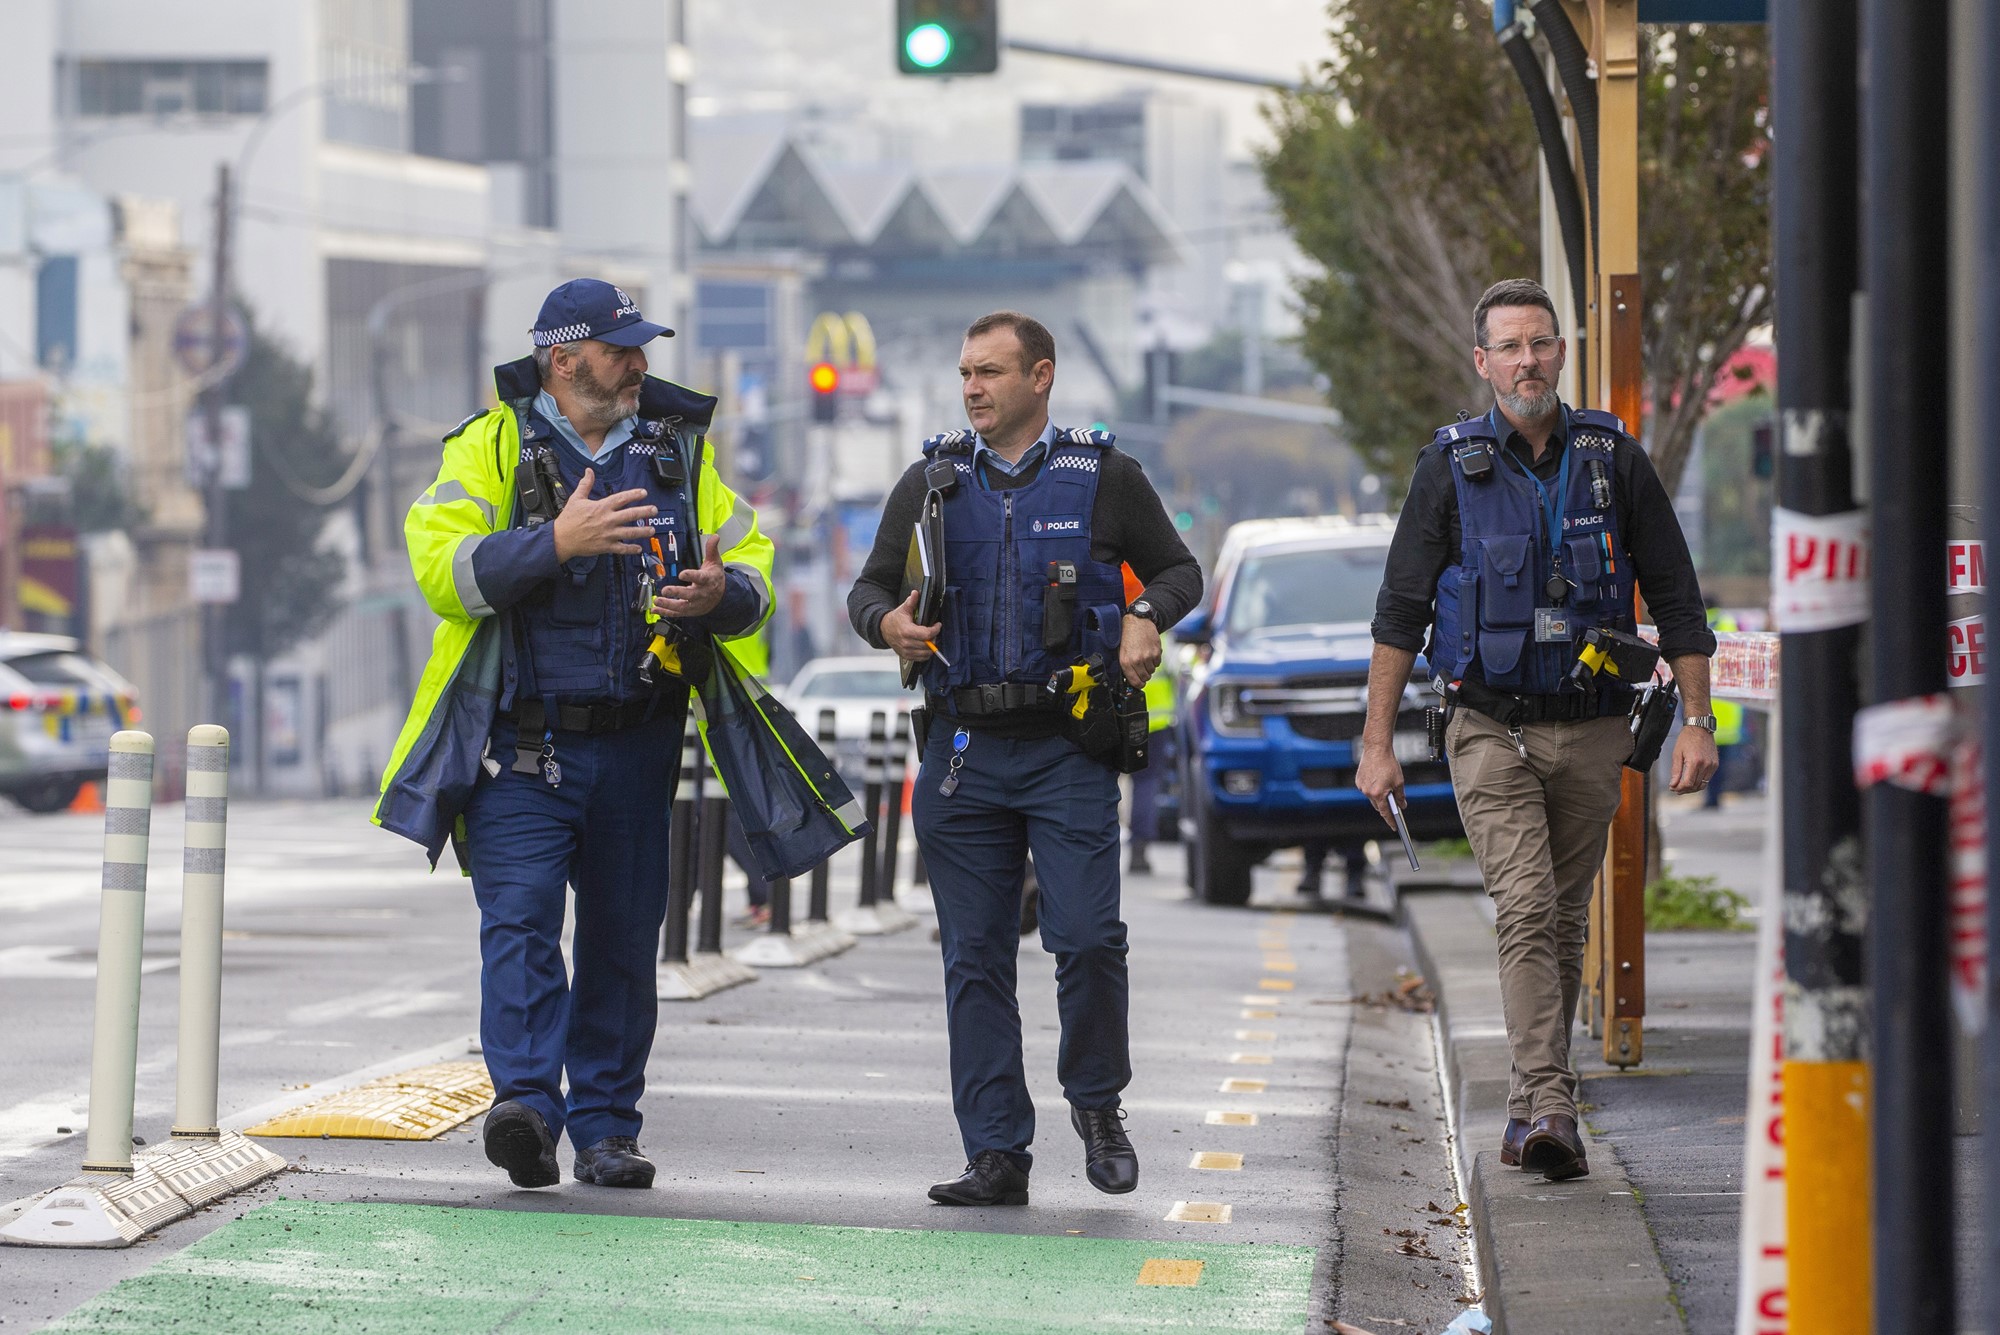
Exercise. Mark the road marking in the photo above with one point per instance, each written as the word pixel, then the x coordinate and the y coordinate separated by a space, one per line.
pixel 1266 1001
pixel 1198 1212
pixel 1281 964
pixel 1250 1059
pixel 1174 1274
pixel 1256 1036
pixel 1231 1119
pixel 1216 1161
pixel 1275 984
pixel 1238 1085
pixel 1258 1013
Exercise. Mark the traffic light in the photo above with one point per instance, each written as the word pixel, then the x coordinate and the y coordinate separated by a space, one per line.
pixel 948 36
pixel 824 380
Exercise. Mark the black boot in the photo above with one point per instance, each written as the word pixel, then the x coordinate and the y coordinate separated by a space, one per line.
pixel 614 1161
pixel 992 1178
pixel 1108 1158
pixel 518 1140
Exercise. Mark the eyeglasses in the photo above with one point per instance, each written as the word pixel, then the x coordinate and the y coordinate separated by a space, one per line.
pixel 1513 349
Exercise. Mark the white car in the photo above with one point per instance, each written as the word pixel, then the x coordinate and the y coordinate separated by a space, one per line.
pixel 58 709
pixel 855 688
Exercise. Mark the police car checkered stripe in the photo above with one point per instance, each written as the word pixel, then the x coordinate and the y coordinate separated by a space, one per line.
pixel 568 333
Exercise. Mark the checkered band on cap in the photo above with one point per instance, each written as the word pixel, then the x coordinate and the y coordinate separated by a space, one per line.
pixel 568 333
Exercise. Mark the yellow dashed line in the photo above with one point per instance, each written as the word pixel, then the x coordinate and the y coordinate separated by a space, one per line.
pixel 1216 1161
pixel 1258 1013
pixel 1173 1274
pixel 1281 964
pixel 1249 1059
pixel 1256 1036
pixel 1219 1118
pixel 1238 1085
pixel 1275 984
pixel 1263 1001
pixel 1198 1212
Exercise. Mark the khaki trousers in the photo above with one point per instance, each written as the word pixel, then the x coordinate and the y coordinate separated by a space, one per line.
pixel 1538 827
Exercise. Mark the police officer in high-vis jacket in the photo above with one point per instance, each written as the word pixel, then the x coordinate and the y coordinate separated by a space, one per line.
pixel 1524 529
pixel 1036 521
pixel 583 553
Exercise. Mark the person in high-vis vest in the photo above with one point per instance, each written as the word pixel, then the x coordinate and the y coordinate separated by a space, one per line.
pixel 1036 520
pixel 1728 728
pixel 583 554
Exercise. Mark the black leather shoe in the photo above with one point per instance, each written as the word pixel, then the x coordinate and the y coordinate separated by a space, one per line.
pixel 992 1178
pixel 614 1161
pixel 519 1141
pixel 1108 1159
pixel 1554 1149
pixel 1510 1141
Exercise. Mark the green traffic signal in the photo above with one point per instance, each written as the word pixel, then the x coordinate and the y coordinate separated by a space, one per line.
pixel 927 46
pixel 947 37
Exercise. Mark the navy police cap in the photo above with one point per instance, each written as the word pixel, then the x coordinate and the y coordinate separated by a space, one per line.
pixel 591 308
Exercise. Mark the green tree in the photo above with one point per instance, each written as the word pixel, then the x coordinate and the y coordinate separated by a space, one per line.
pixel 291 575
pixel 1408 171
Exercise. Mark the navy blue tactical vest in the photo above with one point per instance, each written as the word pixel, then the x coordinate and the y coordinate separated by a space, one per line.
pixel 582 635
pixel 999 549
pixel 1490 602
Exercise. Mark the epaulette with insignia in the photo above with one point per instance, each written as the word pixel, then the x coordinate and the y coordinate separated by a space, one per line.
pixel 459 430
pixel 1599 418
pixel 1084 435
pixel 1472 428
pixel 950 442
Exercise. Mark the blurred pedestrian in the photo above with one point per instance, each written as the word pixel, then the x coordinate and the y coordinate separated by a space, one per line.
pixel 1036 520
pixel 1728 727
pixel 568 529
pixel 1522 529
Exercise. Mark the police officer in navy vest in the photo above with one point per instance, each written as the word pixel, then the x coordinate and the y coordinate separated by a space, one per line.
pixel 1037 520
pixel 582 553
pixel 1523 530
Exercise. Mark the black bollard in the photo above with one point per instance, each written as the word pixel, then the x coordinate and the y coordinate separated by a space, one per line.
pixel 713 845
pixel 894 774
pixel 871 806
pixel 681 856
pixel 817 908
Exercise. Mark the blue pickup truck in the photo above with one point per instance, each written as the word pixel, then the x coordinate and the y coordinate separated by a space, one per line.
pixel 1274 699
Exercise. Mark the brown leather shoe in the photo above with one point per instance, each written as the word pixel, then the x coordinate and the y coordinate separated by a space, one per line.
pixel 1510 1141
pixel 1553 1149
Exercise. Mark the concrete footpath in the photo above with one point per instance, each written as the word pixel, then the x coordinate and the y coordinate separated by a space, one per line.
pixel 1647 1242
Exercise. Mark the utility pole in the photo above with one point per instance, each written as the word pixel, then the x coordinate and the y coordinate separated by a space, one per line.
pixel 1825 1076
pixel 215 615
pixel 1906 202
pixel 1985 265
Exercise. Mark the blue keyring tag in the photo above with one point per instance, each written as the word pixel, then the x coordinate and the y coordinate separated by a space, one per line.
pixel 960 740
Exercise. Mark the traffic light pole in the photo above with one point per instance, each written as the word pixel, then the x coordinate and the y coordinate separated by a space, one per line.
pixel 1825 1073
pixel 1905 107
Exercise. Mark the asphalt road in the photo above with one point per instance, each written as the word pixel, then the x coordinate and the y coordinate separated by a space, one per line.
pixel 811 1097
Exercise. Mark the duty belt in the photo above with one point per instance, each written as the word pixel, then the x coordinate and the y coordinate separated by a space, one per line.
pixel 1513 710
pixel 533 717
pixel 1004 697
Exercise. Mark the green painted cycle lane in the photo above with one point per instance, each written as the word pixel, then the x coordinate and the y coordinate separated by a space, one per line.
pixel 306 1267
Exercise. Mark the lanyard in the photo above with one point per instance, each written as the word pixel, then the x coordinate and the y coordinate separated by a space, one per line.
pixel 1552 503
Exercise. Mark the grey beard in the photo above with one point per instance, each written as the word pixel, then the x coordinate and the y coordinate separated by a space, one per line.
pixel 1530 409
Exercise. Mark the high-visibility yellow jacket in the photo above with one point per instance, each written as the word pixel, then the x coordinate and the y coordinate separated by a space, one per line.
pixel 1160 698
pixel 436 759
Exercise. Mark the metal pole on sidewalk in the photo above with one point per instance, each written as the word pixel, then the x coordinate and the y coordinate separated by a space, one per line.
pixel 121 940
pixel 207 822
pixel 1905 109
pixel 1986 267
pixel 822 875
pixel 1825 1072
pixel 871 805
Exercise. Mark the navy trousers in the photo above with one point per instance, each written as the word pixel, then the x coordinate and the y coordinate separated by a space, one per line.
pixel 603 830
pixel 1014 795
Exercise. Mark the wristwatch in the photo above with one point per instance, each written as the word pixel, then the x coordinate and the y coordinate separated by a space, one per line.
pixel 1700 721
pixel 1144 608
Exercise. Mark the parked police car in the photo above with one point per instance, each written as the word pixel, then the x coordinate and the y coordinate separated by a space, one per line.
pixel 58 709
pixel 1275 698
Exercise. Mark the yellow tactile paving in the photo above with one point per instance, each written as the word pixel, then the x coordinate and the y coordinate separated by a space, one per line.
pixel 418 1104
pixel 1198 1212
pixel 1222 1118
pixel 1216 1161
pixel 1238 1085
pixel 1172 1274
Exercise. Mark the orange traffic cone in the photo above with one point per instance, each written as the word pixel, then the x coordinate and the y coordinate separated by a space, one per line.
pixel 88 799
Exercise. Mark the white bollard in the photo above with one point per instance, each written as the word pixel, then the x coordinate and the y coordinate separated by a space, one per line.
pixel 121 938
pixel 201 931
